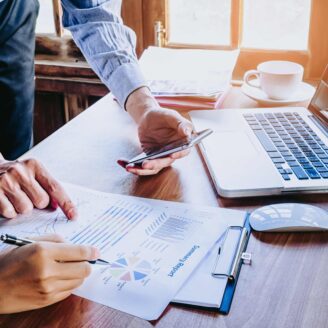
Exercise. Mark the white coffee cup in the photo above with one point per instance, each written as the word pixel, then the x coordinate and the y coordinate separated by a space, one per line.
pixel 278 79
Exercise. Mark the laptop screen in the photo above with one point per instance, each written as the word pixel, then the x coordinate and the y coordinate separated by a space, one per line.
pixel 319 102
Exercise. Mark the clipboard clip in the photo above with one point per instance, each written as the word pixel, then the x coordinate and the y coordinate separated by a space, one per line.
pixel 231 253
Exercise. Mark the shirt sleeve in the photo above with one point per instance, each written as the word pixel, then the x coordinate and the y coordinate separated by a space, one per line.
pixel 107 44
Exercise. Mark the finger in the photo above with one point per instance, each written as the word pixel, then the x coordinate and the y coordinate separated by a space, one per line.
pixel 180 154
pixel 53 188
pixel 19 199
pixel 24 177
pixel 53 204
pixel 123 163
pixel 36 193
pixel 7 210
pixel 141 172
pixel 176 121
pixel 50 237
pixel 157 164
pixel 73 253
pixel 60 286
pixel 72 270
pixel 67 285
pixel 59 297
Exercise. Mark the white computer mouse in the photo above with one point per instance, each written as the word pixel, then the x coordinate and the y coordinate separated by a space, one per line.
pixel 289 217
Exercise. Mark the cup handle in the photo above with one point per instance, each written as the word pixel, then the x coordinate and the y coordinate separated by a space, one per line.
pixel 248 75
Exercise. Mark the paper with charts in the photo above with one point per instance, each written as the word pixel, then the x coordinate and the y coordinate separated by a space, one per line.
pixel 153 246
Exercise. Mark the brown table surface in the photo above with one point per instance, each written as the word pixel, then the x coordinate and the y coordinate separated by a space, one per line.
pixel 287 283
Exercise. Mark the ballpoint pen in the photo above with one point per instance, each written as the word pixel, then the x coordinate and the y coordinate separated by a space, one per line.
pixel 13 240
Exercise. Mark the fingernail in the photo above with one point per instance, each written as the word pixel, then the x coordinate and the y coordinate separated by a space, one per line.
pixel 187 131
pixel 72 213
pixel 95 252
pixel 10 214
pixel 122 163
pixel 53 204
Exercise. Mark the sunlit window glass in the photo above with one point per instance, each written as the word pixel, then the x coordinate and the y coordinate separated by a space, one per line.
pixel 199 22
pixel 45 22
pixel 278 24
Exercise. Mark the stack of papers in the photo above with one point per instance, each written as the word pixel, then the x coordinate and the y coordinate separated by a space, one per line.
pixel 152 247
pixel 188 78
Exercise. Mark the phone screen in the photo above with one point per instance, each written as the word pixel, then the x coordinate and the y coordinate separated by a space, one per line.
pixel 173 147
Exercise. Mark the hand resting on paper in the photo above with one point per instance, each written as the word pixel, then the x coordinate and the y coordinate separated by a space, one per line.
pixel 42 273
pixel 27 184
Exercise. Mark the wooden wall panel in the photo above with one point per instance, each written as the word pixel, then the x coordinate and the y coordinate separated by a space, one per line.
pixel 132 17
pixel 153 10
pixel 48 114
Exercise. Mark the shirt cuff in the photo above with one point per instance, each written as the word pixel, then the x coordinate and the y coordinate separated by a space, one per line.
pixel 124 80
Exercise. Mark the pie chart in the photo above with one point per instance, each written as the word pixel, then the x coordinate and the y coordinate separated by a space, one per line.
pixel 130 268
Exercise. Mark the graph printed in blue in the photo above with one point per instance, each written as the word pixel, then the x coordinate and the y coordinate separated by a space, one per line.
pixel 169 228
pixel 113 225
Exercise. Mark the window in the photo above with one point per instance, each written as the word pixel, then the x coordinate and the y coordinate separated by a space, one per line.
pixel 45 23
pixel 279 24
pixel 199 22
pixel 49 19
pixel 294 30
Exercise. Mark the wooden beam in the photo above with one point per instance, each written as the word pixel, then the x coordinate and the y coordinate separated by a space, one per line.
pixel 56 68
pixel 153 10
pixel 71 86
pixel 132 17
pixel 58 12
pixel 236 23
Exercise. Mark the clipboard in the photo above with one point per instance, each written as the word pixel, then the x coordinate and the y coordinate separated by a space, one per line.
pixel 240 257
pixel 225 260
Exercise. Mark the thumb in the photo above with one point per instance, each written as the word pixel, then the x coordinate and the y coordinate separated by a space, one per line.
pixel 184 129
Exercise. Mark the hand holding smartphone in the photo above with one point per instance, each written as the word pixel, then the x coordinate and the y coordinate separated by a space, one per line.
pixel 168 149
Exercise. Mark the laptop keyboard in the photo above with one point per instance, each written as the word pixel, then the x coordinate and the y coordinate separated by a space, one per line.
pixel 292 145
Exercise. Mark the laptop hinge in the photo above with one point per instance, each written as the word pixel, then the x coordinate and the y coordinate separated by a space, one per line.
pixel 319 124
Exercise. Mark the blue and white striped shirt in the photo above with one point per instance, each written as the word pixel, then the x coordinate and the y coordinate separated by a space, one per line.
pixel 107 44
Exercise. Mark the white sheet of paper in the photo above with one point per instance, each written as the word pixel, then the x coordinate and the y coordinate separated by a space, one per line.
pixel 153 246
pixel 188 71
pixel 202 289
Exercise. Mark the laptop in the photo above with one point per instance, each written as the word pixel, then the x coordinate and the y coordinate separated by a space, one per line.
pixel 268 151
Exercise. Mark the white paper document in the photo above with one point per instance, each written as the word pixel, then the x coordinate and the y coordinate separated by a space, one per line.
pixel 187 71
pixel 153 246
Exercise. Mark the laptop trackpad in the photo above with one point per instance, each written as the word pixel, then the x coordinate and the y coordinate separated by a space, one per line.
pixel 239 162
pixel 234 145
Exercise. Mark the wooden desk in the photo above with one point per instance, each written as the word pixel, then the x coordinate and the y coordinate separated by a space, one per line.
pixel 286 285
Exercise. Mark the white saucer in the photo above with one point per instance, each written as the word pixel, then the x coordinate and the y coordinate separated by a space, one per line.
pixel 304 93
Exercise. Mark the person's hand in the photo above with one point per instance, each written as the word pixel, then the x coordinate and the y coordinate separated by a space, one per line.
pixel 25 184
pixel 157 127
pixel 42 273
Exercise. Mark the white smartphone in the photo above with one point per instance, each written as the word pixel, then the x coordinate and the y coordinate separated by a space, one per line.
pixel 171 148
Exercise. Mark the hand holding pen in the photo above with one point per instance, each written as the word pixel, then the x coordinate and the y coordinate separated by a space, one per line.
pixel 13 240
pixel 42 273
